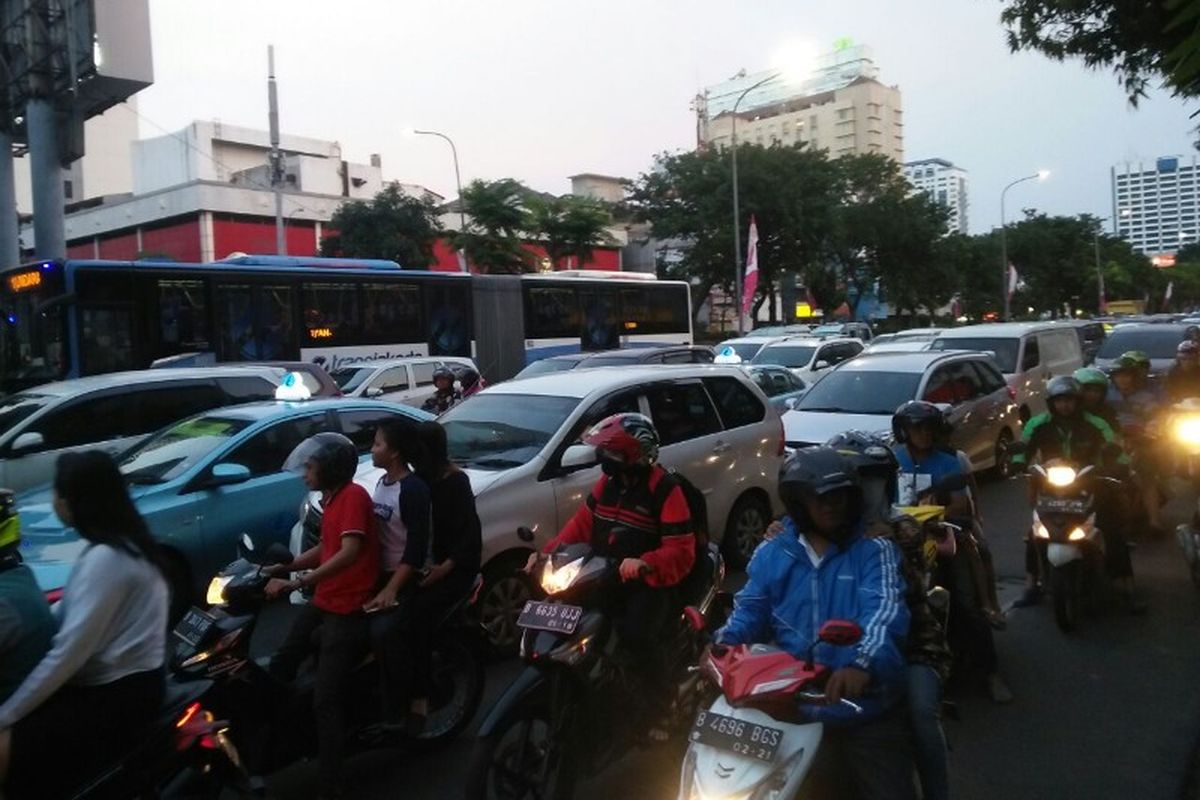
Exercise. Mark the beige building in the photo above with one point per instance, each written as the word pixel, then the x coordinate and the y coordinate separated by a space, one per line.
pixel 864 117
pixel 842 107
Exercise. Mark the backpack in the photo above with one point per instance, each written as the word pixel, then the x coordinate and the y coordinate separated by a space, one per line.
pixel 697 505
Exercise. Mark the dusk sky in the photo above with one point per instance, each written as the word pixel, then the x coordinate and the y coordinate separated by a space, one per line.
pixel 540 90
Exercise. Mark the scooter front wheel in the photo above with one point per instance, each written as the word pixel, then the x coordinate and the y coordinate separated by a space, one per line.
pixel 1065 586
pixel 521 759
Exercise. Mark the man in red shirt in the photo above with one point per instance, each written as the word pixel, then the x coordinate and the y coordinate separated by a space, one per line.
pixel 345 571
pixel 636 513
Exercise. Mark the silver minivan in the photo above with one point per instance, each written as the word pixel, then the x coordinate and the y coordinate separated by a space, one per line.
pixel 1028 353
pixel 399 380
pixel 113 412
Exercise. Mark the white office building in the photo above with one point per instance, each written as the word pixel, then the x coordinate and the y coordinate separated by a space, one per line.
pixel 1156 204
pixel 945 184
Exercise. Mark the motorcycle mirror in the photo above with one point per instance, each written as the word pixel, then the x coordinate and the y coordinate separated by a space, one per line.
pixel 246 546
pixel 524 534
pixel 840 633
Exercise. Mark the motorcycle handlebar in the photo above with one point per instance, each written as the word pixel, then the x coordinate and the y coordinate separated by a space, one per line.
pixel 821 697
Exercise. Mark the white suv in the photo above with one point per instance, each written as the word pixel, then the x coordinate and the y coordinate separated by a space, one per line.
pixel 717 429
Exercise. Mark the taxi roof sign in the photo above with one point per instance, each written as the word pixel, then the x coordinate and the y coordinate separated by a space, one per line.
pixel 292 388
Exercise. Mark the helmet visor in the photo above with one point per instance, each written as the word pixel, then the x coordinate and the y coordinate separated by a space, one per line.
pixel 303 452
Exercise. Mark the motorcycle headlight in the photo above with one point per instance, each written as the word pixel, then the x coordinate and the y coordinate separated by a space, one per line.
pixel 1077 534
pixel 215 595
pixel 1060 476
pixel 1187 430
pixel 1039 530
pixel 557 580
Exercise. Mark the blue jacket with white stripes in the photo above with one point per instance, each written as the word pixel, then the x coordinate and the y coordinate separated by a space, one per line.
pixel 786 599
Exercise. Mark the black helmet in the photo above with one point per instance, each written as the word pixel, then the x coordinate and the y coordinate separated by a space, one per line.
pixel 816 471
pixel 443 372
pixel 335 457
pixel 1062 386
pixel 918 412
pixel 875 464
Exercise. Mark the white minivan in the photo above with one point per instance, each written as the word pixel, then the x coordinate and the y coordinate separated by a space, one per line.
pixel 399 380
pixel 514 441
pixel 1028 353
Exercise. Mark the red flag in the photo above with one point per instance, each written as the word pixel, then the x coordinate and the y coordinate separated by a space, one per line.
pixel 750 284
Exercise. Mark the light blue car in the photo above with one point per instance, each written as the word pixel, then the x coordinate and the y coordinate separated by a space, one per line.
pixel 203 482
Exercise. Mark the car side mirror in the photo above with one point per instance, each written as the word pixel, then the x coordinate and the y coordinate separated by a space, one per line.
pixel 822 364
pixel 579 456
pixel 373 391
pixel 27 442
pixel 228 475
pixel 790 403
pixel 840 633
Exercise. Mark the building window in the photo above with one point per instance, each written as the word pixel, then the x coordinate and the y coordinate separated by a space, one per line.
pixel 68 190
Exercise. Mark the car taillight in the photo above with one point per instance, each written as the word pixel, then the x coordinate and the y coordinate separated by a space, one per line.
pixel 54 595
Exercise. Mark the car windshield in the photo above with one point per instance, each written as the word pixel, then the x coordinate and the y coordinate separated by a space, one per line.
pixel 17 407
pixel 174 450
pixel 743 350
pixel 785 355
pixel 501 431
pixel 827 329
pixel 861 392
pixel 1004 348
pixel 1156 342
pixel 350 378
pixel 546 366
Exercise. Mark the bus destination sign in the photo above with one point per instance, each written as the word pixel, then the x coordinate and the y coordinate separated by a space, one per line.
pixel 24 281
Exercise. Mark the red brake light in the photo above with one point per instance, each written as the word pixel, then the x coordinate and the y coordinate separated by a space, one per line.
pixel 1012 393
pixel 54 595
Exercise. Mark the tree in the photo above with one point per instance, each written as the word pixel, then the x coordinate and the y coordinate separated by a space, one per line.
pixel 1141 40
pixel 570 226
pixel 392 225
pixel 499 218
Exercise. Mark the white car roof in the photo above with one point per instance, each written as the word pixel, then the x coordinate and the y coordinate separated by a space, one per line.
pixel 581 383
pixel 813 340
pixel 108 380
pixel 397 362
pixel 997 329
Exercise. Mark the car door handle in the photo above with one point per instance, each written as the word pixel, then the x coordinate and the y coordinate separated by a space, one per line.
pixel 720 448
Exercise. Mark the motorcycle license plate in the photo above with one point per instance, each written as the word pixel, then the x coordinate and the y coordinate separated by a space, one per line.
pixel 737 736
pixel 1062 505
pixel 554 617
pixel 193 627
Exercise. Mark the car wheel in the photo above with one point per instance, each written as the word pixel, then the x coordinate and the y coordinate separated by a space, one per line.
pixel 1003 467
pixel 744 530
pixel 506 589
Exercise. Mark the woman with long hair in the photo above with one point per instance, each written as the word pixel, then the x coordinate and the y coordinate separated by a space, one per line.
pixel 102 683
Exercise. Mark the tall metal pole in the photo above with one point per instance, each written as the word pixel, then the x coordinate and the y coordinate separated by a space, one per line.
pixel 41 118
pixel 10 242
pixel 462 214
pixel 1004 239
pixel 276 156
pixel 737 217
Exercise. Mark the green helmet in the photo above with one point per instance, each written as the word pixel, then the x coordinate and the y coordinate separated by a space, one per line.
pixel 1090 376
pixel 1126 361
pixel 1139 358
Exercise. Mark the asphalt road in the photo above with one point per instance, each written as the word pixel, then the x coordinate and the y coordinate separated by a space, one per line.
pixel 1111 711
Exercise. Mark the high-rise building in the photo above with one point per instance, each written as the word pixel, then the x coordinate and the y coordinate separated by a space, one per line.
pixel 840 107
pixel 945 184
pixel 1157 206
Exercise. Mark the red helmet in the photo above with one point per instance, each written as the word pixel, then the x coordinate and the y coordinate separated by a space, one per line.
pixel 631 436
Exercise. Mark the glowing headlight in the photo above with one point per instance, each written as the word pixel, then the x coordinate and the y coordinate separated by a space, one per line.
pixel 1077 534
pixel 1187 430
pixel 1060 476
pixel 215 595
pixel 557 580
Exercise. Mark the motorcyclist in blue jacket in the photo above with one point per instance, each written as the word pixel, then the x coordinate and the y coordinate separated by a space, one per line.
pixel 822 567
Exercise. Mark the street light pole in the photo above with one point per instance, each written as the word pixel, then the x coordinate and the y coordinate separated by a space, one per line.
pixel 1038 176
pixel 462 214
pixel 737 221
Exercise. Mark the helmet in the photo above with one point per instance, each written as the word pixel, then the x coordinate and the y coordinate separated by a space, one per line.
pixel 1090 376
pixel 918 412
pixel 1191 332
pixel 1187 348
pixel 875 464
pixel 335 457
pixel 10 524
pixel 443 372
pixel 815 472
pixel 631 436
pixel 1140 359
pixel 1125 361
pixel 1062 386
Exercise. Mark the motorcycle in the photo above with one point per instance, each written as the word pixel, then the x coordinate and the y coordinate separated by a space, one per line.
pixel 568 713
pixel 1064 518
pixel 1185 432
pixel 758 738
pixel 277 718
pixel 187 752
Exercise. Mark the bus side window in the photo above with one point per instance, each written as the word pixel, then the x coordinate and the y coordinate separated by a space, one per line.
pixel 106 343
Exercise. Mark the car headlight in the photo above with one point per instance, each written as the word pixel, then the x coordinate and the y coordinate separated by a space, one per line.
pixel 557 580
pixel 1060 476
pixel 1187 430
pixel 215 595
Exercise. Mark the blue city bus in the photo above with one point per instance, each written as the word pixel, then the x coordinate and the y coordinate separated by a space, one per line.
pixel 63 319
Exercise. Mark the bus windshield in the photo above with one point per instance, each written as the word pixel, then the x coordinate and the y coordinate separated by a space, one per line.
pixel 32 337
